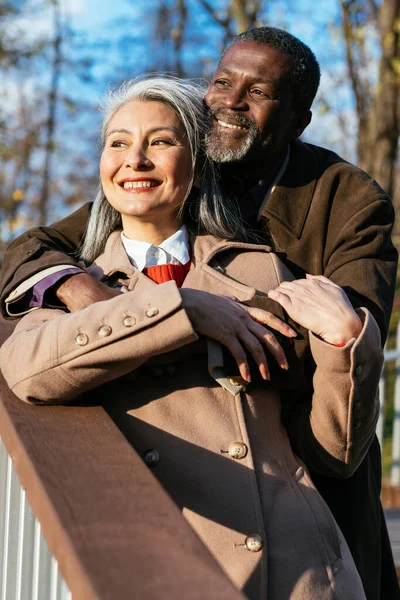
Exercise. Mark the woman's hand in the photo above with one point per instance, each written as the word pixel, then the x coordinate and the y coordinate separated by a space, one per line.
pixel 236 326
pixel 321 306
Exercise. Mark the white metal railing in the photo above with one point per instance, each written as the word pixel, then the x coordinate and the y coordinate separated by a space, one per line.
pixel 28 571
pixel 391 355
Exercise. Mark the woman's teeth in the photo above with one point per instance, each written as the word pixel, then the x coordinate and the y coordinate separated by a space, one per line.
pixel 128 185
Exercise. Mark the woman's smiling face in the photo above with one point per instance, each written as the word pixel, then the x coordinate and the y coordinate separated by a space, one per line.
pixel 146 163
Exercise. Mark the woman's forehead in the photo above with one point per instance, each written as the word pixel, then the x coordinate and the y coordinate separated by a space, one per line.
pixel 145 114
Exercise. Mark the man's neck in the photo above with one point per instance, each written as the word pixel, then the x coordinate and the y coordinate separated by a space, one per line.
pixel 240 177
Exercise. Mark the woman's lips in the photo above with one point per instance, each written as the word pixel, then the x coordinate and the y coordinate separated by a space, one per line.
pixel 139 185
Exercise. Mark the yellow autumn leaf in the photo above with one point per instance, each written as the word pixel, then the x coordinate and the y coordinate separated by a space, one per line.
pixel 18 195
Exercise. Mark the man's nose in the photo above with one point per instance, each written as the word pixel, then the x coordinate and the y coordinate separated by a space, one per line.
pixel 235 99
pixel 138 158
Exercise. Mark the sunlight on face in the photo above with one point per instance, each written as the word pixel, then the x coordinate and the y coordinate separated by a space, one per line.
pixel 146 165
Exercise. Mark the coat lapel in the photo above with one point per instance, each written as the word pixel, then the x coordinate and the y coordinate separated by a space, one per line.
pixel 114 261
pixel 209 278
pixel 301 175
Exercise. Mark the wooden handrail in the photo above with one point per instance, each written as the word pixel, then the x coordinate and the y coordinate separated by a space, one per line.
pixel 113 529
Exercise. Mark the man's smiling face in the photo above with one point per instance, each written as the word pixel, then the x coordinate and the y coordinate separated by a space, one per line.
pixel 251 104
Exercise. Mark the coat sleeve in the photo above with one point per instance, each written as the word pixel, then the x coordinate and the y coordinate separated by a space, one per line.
pixel 53 357
pixel 333 434
pixel 41 248
pixel 358 253
pixel 331 419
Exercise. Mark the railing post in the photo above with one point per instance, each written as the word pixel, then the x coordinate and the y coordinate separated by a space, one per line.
pixel 395 478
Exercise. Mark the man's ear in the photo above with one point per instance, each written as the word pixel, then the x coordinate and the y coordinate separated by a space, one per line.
pixel 303 120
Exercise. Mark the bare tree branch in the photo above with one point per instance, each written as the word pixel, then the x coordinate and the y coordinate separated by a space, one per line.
pixel 214 15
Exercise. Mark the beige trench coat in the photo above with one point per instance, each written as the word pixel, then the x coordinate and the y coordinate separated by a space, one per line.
pixel 218 447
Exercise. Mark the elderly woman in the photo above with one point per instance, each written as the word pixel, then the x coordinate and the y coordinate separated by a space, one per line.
pixel 160 356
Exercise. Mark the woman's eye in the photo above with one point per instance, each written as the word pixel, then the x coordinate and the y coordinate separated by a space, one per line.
pixel 117 144
pixel 161 142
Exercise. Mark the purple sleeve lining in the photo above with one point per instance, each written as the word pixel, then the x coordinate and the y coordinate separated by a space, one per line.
pixel 45 285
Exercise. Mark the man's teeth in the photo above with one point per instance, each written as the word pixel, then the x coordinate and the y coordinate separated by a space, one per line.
pixel 129 185
pixel 230 125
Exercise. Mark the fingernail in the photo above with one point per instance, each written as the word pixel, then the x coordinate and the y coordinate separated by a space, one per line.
pixel 285 366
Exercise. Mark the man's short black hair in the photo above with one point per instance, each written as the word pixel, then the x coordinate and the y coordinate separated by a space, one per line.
pixel 305 74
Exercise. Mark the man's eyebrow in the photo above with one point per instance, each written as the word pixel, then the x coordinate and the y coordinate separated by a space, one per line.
pixel 170 128
pixel 232 73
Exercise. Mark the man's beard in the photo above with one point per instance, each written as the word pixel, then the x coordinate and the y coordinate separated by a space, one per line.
pixel 214 139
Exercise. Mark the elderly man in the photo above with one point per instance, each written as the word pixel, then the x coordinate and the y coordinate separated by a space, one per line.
pixel 323 215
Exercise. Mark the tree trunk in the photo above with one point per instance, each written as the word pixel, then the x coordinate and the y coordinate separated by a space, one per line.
pixel 43 201
pixel 384 116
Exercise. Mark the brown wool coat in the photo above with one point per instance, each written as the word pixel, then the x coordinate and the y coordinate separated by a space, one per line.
pixel 173 397
pixel 327 217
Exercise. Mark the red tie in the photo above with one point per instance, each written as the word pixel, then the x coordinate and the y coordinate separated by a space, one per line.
pixel 163 273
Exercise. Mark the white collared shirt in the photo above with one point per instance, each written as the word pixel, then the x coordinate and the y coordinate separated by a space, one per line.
pixel 174 250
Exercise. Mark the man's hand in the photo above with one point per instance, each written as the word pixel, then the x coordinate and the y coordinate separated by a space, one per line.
pixel 321 306
pixel 82 290
pixel 237 326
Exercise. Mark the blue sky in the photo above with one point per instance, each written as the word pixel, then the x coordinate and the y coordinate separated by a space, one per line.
pixel 309 20
pixel 100 25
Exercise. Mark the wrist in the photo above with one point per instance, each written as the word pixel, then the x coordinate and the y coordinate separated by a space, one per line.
pixel 349 331
pixel 65 289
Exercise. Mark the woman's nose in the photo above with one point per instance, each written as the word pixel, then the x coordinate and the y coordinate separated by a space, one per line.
pixel 137 158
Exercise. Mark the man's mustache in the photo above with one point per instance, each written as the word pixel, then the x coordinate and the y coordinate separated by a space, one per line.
pixel 224 114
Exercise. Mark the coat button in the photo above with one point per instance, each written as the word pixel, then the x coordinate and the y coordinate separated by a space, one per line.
pixel 239 382
pixel 128 321
pixel 237 450
pixel 81 339
pixel 151 457
pixel 219 269
pixel 151 312
pixel 359 370
pixel 254 542
pixel 104 330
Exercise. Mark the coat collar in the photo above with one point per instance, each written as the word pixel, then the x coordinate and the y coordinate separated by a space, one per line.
pixel 209 278
pixel 206 247
pixel 114 260
pixel 300 175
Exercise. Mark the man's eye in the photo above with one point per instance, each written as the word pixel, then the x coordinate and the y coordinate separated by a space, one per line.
pixel 220 83
pixel 258 92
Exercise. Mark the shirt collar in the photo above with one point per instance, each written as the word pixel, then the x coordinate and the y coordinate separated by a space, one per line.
pixel 174 249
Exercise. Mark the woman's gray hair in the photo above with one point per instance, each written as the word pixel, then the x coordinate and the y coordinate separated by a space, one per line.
pixel 214 214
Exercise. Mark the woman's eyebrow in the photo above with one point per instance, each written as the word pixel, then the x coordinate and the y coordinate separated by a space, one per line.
pixel 170 128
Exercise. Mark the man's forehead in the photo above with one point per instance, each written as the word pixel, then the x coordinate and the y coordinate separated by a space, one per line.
pixel 260 61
